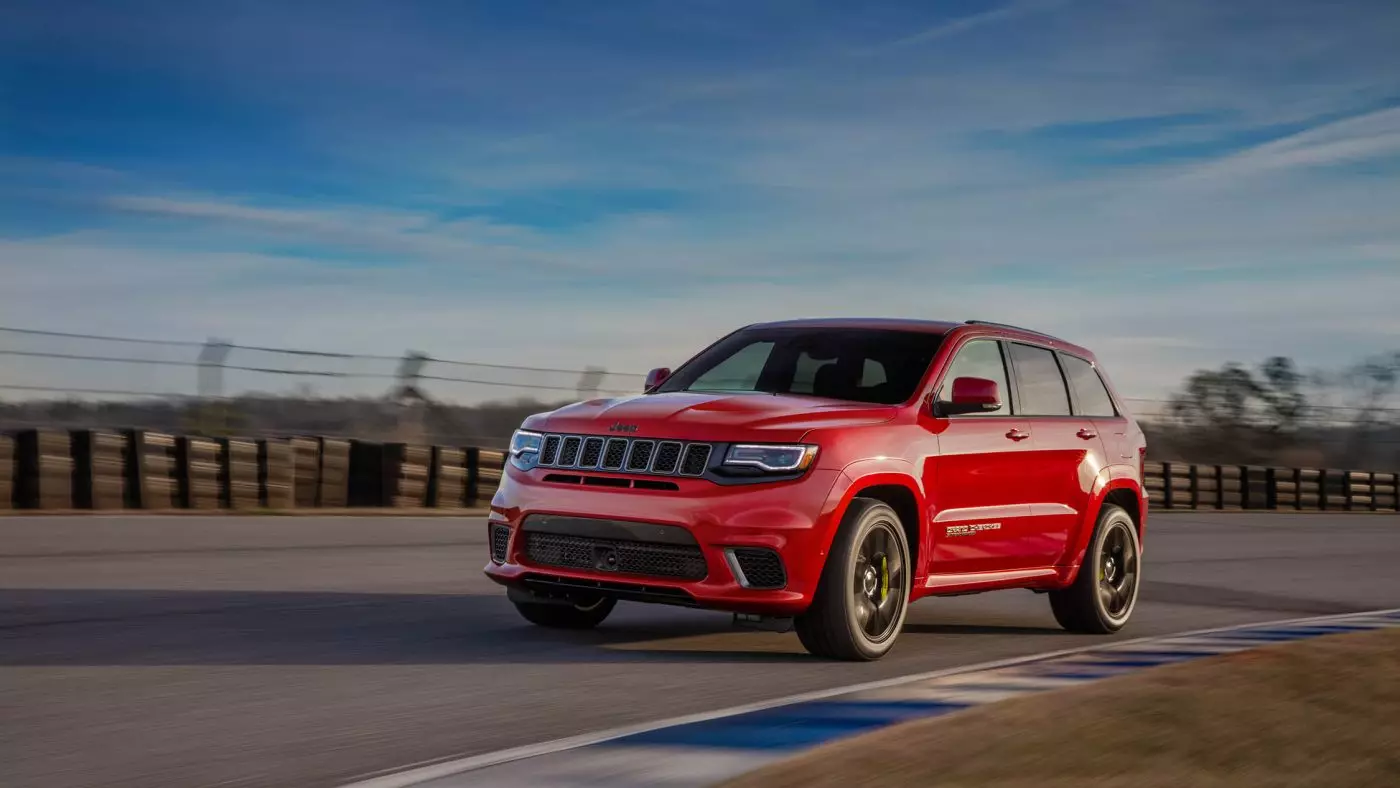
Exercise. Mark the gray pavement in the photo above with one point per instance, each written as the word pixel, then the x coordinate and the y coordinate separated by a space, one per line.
pixel 270 651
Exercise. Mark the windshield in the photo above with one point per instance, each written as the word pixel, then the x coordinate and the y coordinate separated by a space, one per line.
pixel 878 366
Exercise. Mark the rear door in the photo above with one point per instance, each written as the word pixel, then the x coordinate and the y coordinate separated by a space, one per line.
pixel 978 512
pixel 1065 455
pixel 1092 400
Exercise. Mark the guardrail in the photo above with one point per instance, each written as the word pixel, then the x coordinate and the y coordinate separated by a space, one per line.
pixel 1173 485
pixel 134 469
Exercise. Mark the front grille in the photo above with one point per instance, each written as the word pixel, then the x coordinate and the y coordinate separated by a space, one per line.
pixel 761 567
pixel 625 455
pixel 500 540
pixel 645 559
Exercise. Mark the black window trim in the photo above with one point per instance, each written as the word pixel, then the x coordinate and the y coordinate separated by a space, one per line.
pixel 1013 397
pixel 1074 394
pixel 1064 380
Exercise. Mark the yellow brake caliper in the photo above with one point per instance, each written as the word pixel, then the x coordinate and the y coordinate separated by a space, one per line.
pixel 884 577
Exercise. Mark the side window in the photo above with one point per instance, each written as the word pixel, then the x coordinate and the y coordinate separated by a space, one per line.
pixel 1089 389
pixel 979 359
pixel 1039 382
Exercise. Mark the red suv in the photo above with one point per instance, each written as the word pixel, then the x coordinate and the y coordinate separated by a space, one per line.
pixel 822 474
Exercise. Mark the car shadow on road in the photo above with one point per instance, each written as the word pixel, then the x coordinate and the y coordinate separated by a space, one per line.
pixel 109 627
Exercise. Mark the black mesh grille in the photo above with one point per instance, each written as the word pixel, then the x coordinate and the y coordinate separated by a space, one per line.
pixel 592 452
pixel 697 458
pixel 500 540
pixel 615 454
pixel 626 455
pixel 668 455
pixel 568 455
pixel 550 452
pixel 647 559
pixel 762 568
pixel 641 455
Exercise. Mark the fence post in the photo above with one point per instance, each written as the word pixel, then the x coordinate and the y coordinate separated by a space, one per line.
pixel 1270 488
pixel 7 472
pixel 1375 499
pixel 1193 474
pixel 1166 485
pixel 471 488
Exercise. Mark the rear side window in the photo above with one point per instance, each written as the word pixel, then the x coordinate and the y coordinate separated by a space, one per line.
pixel 1089 390
pixel 979 359
pixel 1039 382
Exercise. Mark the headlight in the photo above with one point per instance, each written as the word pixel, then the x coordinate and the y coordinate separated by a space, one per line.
pixel 771 458
pixel 525 449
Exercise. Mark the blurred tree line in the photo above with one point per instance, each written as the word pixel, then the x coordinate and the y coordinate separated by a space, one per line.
pixel 1278 414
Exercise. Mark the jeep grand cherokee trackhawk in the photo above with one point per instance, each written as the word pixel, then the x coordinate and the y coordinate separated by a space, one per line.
pixel 822 474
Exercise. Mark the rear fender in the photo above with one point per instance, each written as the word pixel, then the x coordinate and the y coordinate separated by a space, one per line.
pixel 1110 479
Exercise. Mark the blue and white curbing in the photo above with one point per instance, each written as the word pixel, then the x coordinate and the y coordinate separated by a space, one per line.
pixel 704 749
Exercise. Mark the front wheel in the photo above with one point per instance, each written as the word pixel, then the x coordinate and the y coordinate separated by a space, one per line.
pixel 556 615
pixel 863 595
pixel 1105 592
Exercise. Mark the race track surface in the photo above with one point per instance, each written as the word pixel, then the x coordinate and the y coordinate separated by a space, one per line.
pixel 303 651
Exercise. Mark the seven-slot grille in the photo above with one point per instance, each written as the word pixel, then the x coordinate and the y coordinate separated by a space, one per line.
pixel 625 455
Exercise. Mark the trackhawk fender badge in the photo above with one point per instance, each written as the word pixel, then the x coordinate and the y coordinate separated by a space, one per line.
pixel 971 528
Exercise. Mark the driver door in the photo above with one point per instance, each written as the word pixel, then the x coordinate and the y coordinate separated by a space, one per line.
pixel 979 513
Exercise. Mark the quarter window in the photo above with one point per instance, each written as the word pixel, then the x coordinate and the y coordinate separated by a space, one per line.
pixel 1039 382
pixel 979 359
pixel 1089 389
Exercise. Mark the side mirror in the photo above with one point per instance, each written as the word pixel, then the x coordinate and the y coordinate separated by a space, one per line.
pixel 656 377
pixel 971 395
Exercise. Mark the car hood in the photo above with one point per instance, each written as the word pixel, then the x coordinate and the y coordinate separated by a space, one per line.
pixel 688 415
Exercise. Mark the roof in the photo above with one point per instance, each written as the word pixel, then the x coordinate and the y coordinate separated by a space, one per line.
pixel 887 323
pixel 929 327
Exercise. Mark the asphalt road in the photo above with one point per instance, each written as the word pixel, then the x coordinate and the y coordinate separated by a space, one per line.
pixel 179 651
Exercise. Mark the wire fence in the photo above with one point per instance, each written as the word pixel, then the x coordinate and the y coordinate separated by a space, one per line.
pixel 75 380
pixel 38 364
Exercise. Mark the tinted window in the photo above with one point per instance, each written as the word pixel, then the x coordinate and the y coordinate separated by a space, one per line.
pixel 864 365
pixel 1089 389
pixel 979 359
pixel 738 372
pixel 1039 382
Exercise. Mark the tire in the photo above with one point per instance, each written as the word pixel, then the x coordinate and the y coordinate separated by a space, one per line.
pixel 1104 593
pixel 566 616
pixel 833 627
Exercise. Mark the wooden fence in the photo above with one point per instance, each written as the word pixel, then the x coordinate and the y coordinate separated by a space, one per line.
pixel 1179 485
pixel 133 469
pixel 99 470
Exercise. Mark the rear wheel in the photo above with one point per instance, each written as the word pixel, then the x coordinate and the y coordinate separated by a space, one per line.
pixel 561 615
pixel 1103 596
pixel 863 595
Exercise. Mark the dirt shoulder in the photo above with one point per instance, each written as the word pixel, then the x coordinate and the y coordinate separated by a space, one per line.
pixel 1322 712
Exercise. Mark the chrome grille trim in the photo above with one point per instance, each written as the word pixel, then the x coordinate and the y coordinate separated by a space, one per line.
pixel 636 456
pixel 568 453
pixel 670 449
pixel 592 447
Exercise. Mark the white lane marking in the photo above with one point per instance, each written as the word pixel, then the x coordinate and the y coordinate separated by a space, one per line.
pixel 424 771
pixel 615 767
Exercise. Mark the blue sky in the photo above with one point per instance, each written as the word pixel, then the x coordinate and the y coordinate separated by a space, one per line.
pixel 563 183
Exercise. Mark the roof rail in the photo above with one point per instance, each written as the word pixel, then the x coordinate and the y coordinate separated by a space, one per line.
pixel 1006 325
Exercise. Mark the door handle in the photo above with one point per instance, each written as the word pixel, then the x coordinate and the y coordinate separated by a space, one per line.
pixel 1018 435
pixel 1087 434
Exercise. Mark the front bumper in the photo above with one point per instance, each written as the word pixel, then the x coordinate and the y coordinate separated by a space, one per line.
pixel 795 519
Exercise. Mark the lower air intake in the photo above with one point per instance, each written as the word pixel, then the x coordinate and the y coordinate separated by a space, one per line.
pixel 500 541
pixel 643 559
pixel 761 567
